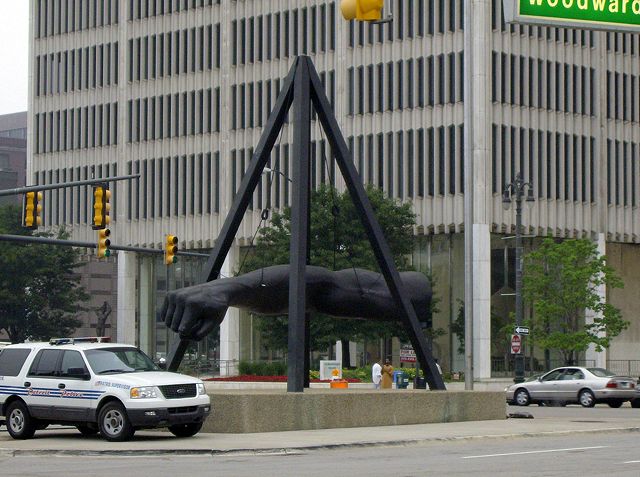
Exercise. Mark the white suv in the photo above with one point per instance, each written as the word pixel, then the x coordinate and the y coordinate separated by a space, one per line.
pixel 101 387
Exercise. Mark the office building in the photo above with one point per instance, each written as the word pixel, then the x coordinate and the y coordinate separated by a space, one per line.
pixel 13 152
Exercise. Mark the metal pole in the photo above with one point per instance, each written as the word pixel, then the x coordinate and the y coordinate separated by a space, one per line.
pixel 36 188
pixel 298 254
pixel 75 243
pixel 519 358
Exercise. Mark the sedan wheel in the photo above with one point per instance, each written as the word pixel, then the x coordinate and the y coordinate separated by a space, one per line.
pixel 586 398
pixel 615 404
pixel 522 397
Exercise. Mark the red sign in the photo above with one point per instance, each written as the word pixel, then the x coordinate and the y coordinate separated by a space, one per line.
pixel 407 354
pixel 516 344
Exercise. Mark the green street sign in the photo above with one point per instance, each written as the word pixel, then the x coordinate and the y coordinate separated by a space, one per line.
pixel 617 15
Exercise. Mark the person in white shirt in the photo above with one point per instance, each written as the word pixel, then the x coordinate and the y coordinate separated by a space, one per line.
pixel 376 374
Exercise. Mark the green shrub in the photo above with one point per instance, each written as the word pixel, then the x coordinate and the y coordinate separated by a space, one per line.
pixel 276 368
pixel 363 374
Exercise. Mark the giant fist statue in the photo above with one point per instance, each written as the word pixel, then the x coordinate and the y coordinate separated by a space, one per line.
pixel 195 311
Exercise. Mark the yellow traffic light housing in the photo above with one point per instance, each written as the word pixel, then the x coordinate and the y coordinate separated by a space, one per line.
pixel 32 209
pixel 170 250
pixel 101 206
pixel 104 243
pixel 362 10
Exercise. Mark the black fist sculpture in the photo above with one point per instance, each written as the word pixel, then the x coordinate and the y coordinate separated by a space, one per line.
pixel 195 311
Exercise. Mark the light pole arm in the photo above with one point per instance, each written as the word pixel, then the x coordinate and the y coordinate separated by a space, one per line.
pixel 36 188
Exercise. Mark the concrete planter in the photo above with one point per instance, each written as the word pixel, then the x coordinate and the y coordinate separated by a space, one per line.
pixel 270 410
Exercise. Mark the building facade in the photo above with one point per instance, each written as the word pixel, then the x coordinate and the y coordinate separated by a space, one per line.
pixel 13 152
pixel 179 91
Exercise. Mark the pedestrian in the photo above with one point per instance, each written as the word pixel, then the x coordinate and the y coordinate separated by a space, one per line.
pixel 376 374
pixel 387 375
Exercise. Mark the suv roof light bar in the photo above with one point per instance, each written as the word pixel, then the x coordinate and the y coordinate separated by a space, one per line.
pixel 86 339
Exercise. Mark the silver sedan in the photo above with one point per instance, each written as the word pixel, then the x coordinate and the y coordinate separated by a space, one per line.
pixel 574 384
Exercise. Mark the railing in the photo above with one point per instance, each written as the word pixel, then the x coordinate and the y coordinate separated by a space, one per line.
pixel 625 367
pixel 504 367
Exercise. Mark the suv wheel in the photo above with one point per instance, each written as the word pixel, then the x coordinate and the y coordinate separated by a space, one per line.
pixel 186 430
pixel 114 423
pixel 19 423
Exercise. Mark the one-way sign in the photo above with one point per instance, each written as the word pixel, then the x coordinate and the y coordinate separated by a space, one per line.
pixel 522 330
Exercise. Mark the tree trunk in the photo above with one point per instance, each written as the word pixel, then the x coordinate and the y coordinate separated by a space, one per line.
pixel 346 356
pixel 547 359
pixel 103 314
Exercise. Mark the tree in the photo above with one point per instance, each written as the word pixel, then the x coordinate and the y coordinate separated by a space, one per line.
pixel 39 292
pixel 501 328
pixel 561 281
pixel 337 241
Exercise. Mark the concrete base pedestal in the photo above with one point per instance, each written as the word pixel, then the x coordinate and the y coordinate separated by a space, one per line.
pixel 245 411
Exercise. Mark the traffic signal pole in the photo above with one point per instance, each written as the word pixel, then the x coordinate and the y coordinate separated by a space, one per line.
pixel 75 243
pixel 64 185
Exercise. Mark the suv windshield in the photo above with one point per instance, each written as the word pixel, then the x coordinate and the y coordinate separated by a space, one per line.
pixel 119 360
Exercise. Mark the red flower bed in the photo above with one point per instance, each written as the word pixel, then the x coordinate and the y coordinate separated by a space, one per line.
pixel 250 378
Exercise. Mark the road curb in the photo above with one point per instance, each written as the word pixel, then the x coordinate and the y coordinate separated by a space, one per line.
pixel 4 452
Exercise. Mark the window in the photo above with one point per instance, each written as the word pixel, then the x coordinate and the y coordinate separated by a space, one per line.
pixel 12 360
pixel 553 375
pixel 73 365
pixel 46 362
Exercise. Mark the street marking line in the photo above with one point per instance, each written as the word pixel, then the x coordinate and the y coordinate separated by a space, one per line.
pixel 632 462
pixel 534 452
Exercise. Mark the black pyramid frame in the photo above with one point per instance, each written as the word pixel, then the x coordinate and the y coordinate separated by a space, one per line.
pixel 302 87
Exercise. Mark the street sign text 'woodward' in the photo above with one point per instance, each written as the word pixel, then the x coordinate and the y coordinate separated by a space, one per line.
pixel 619 15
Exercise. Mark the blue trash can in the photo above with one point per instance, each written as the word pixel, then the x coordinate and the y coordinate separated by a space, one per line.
pixel 401 380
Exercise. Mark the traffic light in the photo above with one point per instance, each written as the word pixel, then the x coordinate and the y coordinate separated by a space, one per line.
pixel 101 206
pixel 31 211
pixel 104 243
pixel 170 250
pixel 362 10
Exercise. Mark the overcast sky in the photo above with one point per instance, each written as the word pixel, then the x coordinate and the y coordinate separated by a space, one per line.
pixel 14 51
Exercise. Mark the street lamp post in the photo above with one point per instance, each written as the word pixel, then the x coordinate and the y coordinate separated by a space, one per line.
pixel 517 189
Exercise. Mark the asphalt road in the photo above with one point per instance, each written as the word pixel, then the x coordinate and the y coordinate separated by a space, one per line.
pixel 580 455
pixel 588 451
pixel 599 412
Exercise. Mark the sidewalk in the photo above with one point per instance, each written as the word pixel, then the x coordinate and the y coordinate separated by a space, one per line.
pixel 65 441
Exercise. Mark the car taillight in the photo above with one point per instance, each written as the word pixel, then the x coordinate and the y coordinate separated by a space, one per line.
pixel 612 384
